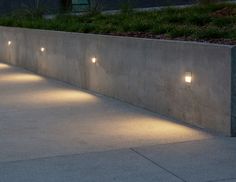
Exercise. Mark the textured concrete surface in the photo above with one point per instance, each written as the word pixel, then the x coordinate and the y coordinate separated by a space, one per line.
pixel 196 161
pixel 53 132
pixel 180 162
pixel 144 72
pixel 119 165
pixel 41 117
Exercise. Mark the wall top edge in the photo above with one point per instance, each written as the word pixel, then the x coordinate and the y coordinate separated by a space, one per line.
pixel 120 37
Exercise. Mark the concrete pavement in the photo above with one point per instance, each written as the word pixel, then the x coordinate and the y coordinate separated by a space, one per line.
pixel 51 131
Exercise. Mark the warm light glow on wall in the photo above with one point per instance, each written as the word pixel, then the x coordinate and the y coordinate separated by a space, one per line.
pixel 64 95
pixel 4 66
pixel 188 77
pixel 20 78
pixel 9 43
pixel 94 60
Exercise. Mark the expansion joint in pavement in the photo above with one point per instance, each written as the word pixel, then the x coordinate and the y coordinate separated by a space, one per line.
pixel 156 164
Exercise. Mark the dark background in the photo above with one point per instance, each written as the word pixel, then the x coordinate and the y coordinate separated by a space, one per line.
pixel 51 6
pixel 116 4
pixel 7 6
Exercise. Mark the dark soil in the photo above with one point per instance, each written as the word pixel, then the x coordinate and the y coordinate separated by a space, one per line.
pixel 165 37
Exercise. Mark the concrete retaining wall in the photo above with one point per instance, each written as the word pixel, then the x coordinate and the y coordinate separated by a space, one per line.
pixel 144 72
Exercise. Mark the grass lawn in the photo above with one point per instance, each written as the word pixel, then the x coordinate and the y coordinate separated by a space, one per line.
pixel 211 23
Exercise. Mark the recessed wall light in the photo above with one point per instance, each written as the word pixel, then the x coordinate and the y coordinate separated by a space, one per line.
pixel 94 60
pixel 188 77
pixel 42 49
pixel 9 43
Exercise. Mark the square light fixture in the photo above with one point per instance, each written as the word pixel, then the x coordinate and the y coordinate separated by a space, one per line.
pixel 188 77
pixel 42 49
pixel 9 43
pixel 94 60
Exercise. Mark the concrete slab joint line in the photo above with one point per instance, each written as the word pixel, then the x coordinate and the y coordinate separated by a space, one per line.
pixel 155 163
pixel 146 73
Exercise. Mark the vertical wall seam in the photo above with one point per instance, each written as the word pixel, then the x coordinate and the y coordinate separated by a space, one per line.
pixel 233 88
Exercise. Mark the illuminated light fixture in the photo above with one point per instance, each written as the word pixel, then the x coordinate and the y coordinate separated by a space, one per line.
pixel 188 77
pixel 9 43
pixel 94 60
pixel 42 49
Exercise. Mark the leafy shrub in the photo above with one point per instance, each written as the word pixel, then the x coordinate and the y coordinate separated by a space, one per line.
pixel 31 9
pixel 210 33
pixel 95 8
pixel 198 19
pixel 206 2
pixel 180 31
pixel 126 7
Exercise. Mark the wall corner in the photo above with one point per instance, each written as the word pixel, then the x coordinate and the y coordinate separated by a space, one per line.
pixel 233 91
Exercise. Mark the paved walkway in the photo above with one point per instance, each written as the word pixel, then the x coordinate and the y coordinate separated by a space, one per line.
pixel 53 132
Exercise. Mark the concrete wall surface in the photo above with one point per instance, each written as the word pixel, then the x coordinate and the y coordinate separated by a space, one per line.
pixel 143 72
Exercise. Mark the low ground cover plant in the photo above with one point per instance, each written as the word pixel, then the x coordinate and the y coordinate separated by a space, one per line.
pixel 211 23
